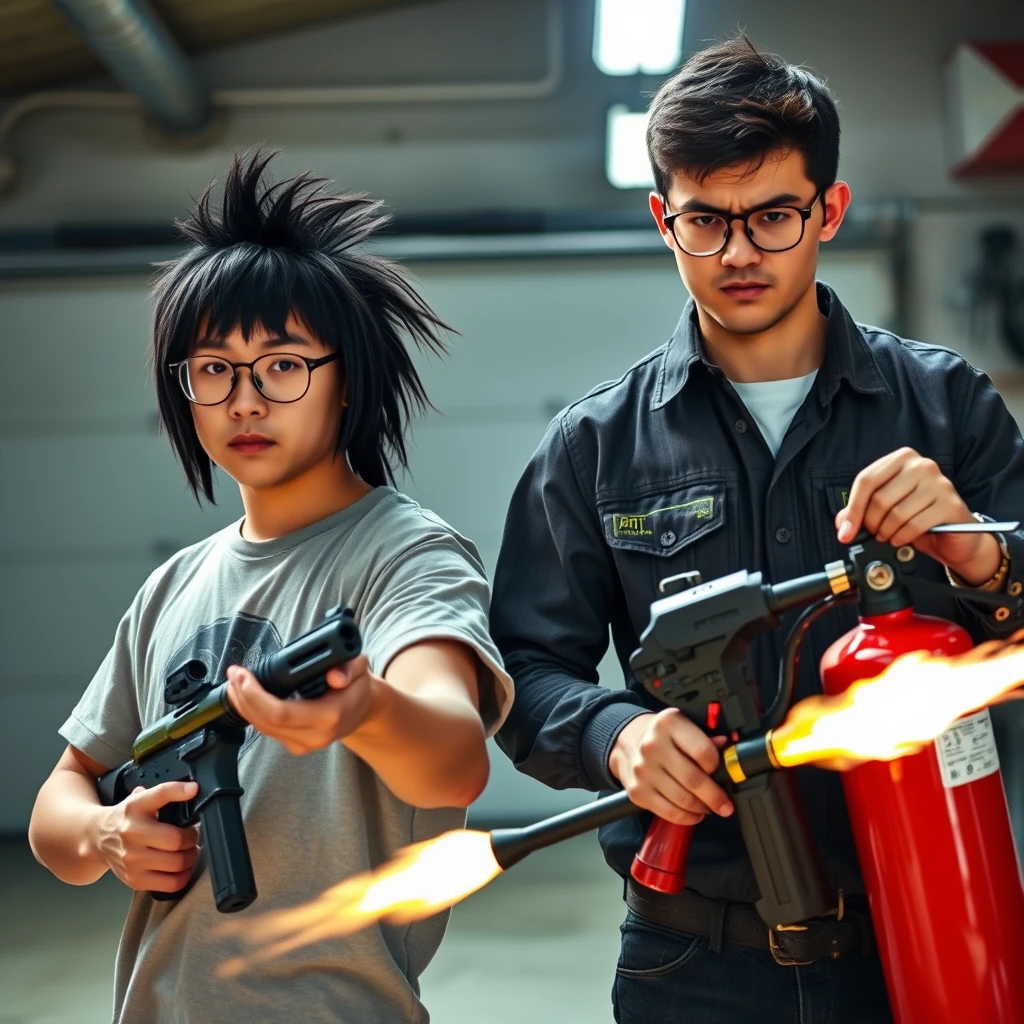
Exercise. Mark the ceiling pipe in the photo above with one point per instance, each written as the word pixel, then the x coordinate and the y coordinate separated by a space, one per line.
pixel 317 96
pixel 310 97
pixel 145 58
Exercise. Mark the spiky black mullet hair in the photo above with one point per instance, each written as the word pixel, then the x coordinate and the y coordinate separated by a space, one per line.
pixel 293 247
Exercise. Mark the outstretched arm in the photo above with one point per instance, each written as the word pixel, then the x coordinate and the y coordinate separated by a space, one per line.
pixel 418 726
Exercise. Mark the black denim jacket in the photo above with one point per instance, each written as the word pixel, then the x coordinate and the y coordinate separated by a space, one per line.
pixel 664 471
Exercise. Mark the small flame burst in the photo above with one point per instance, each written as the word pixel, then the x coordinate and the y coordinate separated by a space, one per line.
pixel 912 702
pixel 898 712
pixel 418 881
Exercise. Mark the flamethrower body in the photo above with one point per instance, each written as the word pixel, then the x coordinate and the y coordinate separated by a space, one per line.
pixel 199 741
pixel 694 656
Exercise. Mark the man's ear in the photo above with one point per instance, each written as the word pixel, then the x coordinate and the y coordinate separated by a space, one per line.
pixel 657 205
pixel 836 201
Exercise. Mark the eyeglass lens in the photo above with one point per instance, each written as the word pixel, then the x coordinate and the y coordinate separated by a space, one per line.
pixel 207 380
pixel 703 234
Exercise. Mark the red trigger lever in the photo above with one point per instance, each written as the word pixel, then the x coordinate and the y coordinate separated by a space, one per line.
pixel 714 712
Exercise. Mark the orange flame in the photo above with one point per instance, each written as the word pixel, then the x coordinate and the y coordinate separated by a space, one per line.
pixel 418 881
pixel 912 702
pixel 907 706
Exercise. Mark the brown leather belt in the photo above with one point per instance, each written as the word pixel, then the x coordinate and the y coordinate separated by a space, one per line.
pixel 722 921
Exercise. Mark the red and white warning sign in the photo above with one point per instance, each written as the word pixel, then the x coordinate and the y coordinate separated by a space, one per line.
pixel 985 103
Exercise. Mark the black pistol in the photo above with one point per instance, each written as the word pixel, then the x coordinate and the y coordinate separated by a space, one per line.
pixel 200 741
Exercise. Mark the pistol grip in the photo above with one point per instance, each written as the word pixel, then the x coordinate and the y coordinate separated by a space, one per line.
pixel 783 854
pixel 179 814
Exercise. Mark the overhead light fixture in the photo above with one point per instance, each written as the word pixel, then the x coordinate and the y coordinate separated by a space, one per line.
pixel 626 163
pixel 634 36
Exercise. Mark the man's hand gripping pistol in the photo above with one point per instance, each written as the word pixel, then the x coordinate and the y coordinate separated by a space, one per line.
pixel 199 740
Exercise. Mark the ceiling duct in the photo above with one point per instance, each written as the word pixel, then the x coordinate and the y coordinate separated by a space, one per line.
pixel 145 58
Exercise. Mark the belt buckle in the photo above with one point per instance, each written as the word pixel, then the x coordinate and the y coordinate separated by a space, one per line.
pixel 780 957
pixel 784 959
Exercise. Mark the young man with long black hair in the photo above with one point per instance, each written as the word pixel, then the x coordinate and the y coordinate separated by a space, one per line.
pixel 279 357
pixel 762 436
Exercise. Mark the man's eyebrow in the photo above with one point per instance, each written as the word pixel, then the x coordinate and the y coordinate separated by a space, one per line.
pixel 267 343
pixel 699 206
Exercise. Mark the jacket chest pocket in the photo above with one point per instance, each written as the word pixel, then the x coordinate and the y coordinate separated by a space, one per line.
pixel 832 487
pixel 657 533
pixel 831 496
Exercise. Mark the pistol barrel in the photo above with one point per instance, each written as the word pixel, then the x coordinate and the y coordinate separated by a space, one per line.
pixel 177 724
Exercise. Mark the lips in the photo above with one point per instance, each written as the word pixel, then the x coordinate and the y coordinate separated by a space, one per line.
pixel 745 289
pixel 250 444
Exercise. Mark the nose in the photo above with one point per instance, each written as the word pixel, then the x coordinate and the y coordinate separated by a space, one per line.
pixel 739 250
pixel 245 399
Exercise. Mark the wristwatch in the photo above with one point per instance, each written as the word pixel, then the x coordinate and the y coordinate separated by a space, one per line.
pixel 997 581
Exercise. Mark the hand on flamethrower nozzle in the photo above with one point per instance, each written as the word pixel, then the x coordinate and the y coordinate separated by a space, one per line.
pixel 200 739
pixel 693 656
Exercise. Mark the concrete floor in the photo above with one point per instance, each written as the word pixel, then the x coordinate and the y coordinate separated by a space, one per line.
pixel 545 935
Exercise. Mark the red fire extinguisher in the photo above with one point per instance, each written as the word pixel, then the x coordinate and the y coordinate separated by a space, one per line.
pixel 933 833
pixel 932 830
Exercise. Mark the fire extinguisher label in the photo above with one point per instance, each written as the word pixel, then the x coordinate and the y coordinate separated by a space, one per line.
pixel 967 750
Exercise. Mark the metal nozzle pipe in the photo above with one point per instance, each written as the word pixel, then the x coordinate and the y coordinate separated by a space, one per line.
pixel 511 845
pixel 805 589
pixel 750 757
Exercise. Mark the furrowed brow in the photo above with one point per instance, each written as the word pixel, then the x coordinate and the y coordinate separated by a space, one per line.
pixel 699 206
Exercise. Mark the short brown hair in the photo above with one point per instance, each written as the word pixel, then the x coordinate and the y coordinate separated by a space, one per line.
pixel 733 103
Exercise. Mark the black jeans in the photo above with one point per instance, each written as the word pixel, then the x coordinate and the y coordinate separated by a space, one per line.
pixel 669 977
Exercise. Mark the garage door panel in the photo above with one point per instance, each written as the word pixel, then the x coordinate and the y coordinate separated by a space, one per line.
pixel 79 494
pixel 59 620
pixel 539 333
pixel 76 349
pixel 466 472
pixel 29 748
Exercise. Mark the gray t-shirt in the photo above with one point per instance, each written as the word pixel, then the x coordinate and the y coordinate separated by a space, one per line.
pixel 313 820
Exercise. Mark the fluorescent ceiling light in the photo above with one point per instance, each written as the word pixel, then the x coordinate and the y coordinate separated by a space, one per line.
pixel 633 36
pixel 626 163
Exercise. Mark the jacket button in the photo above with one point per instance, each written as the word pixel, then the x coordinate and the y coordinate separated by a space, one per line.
pixel 668 538
pixel 783 536
pixel 741 426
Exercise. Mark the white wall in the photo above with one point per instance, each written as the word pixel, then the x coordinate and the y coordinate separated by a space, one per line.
pixel 94 499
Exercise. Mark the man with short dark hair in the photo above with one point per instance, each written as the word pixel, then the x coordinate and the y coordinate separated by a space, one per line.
pixel 762 436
